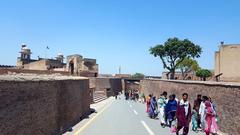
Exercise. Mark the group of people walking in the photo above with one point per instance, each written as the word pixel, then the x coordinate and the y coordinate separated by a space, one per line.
pixel 178 114
pixel 132 95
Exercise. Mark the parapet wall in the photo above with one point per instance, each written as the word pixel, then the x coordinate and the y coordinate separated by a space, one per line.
pixel 4 71
pixel 226 96
pixel 42 107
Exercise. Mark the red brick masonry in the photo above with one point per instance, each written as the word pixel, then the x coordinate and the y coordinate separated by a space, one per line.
pixel 42 107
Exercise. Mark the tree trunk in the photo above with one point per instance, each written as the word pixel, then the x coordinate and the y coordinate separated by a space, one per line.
pixel 172 74
pixel 167 75
pixel 183 75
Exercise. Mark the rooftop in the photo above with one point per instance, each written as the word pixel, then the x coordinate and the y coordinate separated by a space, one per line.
pixel 35 77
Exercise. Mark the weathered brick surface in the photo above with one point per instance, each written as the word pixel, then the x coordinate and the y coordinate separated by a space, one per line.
pixel 226 97
pixel 42 107
pixel 108 85
pixel 131 86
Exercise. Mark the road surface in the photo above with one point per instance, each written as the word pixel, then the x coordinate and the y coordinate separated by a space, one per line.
pixel 121 117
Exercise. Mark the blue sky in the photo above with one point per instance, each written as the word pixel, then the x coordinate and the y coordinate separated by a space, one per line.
pixel 116 32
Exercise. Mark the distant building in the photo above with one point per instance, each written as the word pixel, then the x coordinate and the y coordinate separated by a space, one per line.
pixel 227 62
pixel 76 64
pixel 25 61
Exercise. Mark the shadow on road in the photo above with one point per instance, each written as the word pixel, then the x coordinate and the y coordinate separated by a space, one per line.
pixel 69 128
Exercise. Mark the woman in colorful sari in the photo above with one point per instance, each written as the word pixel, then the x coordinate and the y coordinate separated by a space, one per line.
pixel 170 110
pixel 162 101
pixel 148 102
pixel 153 111
pixel 210 125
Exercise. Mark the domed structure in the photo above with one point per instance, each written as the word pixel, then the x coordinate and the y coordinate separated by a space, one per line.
pixel 25 52
pixel 25 56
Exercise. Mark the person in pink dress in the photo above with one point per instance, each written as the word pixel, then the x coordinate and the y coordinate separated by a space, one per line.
pixel 211 125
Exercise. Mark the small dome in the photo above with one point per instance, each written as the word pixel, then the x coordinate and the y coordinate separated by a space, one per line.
pixel 59 54
pixel 25 48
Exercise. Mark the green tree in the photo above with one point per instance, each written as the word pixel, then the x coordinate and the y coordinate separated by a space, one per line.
pixel 138 75
pixel 203 74
pixel 174 51
pixel 186 66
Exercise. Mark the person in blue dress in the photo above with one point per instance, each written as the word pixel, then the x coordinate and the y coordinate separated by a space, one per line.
pixel 153 110
pixel 170 110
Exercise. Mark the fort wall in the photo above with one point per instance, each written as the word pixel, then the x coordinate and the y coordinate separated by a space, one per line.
pixel 39 106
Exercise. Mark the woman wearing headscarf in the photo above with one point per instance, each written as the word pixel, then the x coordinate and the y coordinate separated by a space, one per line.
pixel 210 120
pixel 153 111
pixel 170 110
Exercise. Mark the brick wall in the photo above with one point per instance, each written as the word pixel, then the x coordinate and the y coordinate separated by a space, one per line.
pixel 42 107
pixel 132 86
pixel 225 95
pixel 108 85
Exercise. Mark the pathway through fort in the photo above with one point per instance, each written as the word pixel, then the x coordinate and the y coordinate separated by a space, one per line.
pixel 121 117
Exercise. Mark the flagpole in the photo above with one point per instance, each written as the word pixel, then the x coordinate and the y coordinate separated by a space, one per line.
pixel 46 51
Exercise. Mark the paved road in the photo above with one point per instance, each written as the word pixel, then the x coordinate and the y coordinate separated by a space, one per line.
pixel 122 117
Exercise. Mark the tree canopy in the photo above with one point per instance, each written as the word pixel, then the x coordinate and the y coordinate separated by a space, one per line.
pixel 203 74
pixel 186 66
pixel 138 75
pixel 174 51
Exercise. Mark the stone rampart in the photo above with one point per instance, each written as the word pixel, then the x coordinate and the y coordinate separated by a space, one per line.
pixel 42 106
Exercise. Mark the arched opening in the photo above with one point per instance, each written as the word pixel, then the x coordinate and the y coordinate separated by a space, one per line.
pixel 71 67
